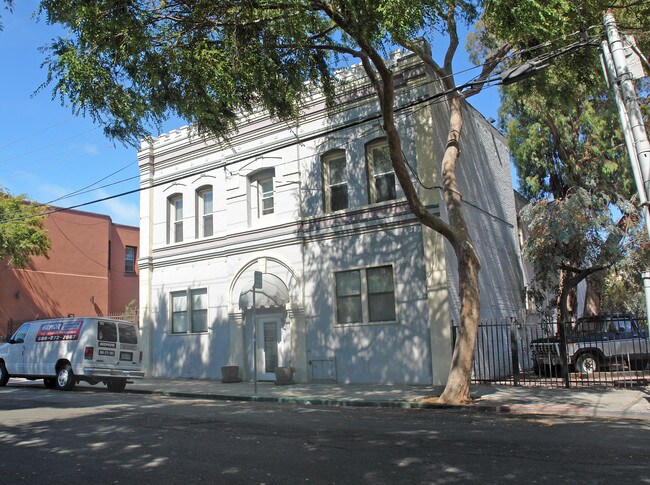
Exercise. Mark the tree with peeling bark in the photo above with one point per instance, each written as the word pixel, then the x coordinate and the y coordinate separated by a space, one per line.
pixel 130 64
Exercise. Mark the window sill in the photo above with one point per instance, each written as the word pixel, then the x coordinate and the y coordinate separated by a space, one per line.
pixel 187 334
pixel 365 324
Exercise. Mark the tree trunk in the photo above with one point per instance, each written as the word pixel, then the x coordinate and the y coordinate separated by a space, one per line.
pixel 457 390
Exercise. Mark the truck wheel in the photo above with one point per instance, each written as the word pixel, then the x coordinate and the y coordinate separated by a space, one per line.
pixel 117 385
pixel 49 382
pixel 65 378
pixel 587 364
pixel 4 375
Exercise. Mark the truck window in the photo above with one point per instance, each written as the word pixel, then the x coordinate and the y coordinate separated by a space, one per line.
pixel 106 331
pixel 128 335
pixel 21 333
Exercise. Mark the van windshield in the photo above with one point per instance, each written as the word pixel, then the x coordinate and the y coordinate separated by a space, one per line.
pixel 106 331
pixel 128 334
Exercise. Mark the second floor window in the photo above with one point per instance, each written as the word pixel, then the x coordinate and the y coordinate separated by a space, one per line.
pixel 261 194
pixel 129 259
pixel 381 177
pixel 335 181
pixel 265 193
pixel 205 212
pixel 176 218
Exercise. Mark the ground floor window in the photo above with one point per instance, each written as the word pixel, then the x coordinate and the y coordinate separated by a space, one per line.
pixel 189 311
pixel 365 295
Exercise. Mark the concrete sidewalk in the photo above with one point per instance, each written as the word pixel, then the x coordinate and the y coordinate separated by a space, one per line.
pixel 596 402
pixel 586 402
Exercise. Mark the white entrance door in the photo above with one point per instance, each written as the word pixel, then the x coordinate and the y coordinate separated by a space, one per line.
pixel 269 347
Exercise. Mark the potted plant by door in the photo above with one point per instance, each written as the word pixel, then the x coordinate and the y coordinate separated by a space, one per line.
pixel 284 375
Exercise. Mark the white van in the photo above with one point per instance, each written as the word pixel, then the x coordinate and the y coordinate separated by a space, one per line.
pixel 65 351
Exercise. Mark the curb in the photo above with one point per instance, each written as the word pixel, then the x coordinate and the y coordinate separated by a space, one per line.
pixel 301 400
pixel 519 410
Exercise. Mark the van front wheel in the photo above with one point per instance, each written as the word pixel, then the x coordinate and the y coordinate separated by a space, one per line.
pixel 65 378
pixel 4 375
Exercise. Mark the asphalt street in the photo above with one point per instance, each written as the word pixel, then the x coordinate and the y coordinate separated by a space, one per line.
pixel 97 437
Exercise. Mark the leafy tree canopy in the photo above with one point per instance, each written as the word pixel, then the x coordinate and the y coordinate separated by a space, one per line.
pixel 566 142
pixel 21 230
pixel 130 64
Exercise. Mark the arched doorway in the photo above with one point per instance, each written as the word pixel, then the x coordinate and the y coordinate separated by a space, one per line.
pixel 271 332
pixel 264 307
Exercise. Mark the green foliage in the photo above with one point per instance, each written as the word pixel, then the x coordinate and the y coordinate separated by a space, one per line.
pixel 131 64
pixel 578 235
pixel 566 143
pixel 21 230
pixel 570 232
pixel 8 5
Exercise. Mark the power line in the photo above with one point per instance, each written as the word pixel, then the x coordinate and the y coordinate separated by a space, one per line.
pixel 38 132
pixel 491 81
pixel 194 173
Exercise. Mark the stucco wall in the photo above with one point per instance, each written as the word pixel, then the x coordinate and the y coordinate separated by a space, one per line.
pixel 314 244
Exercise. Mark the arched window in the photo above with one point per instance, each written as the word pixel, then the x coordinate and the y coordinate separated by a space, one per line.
pixel 262 193
pixel 175 218
pixel 381 177
pixel 204 212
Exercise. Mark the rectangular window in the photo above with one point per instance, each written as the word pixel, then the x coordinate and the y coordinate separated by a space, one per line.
pixel 199 321
pixel 381 174
pixel 348 297
pixel 266 197
pixel 179 312
pixel 106 332
pixel 381 294
pixel 128 334
pixel 189 311
pixel 129 259
pixel 335 182
pixel 365 295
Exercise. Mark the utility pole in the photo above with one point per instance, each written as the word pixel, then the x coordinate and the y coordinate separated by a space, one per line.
pixel 620 78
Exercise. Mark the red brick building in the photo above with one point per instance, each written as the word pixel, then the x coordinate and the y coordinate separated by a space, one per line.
pixel 90 270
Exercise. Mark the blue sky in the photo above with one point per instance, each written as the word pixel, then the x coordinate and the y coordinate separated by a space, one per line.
pixel 47 153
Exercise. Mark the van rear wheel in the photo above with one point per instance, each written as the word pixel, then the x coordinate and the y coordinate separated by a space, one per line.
pixel 65 378
pixel 4 375
pixel 117 385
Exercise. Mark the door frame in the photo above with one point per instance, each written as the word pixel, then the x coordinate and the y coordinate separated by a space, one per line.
pixel 260 354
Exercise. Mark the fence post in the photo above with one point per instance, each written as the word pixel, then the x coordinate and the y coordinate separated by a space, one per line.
pixel 563 355
pixel 514 351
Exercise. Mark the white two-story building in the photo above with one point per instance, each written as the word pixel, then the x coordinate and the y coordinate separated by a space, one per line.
pixel 354 289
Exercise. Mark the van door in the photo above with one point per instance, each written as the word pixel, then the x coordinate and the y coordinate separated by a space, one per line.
pixel 106 343
pixel 15 362
pixel 129 352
